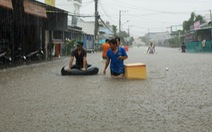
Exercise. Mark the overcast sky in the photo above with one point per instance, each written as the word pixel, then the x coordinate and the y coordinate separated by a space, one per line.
pixel 147 15
pixel 143 16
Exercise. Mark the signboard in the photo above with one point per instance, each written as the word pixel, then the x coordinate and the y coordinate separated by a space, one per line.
pixel 102 41
pixel 50 2
pixel 197 25
pixel 34 9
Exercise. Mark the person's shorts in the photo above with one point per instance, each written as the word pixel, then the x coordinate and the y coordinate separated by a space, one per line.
pixel 115 74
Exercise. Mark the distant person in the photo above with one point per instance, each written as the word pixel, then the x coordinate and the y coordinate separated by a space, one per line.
pixel 183 47
pixel 203 43
pixel 115 57
pixel 151 49
pixel 105 48
pixel 119 43
pixel 80 54
pixel 50 48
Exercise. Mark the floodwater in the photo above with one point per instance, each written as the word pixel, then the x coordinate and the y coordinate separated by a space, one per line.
pixel 36 98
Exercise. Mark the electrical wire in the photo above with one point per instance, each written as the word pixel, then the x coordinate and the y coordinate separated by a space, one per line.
pixel 86 4
pixel 105 12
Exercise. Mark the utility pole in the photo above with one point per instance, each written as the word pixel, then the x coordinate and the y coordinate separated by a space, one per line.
pixel 119 23
pixel 210 16
pixel 96 25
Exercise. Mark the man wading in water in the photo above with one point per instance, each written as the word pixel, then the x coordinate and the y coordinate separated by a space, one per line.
pixel 151 49
pixel 115 56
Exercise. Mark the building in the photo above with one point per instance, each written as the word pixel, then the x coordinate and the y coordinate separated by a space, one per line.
pixel 104 31
pixel 71 6
pixel 30 24
pixel 23 24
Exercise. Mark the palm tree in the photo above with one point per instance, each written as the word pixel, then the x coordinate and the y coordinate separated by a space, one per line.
pixel 114 29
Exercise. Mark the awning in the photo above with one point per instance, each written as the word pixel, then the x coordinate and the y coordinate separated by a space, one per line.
pixel 34 9
pixel 6 4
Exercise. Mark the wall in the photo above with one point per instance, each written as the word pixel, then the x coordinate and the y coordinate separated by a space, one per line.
pixel 87 27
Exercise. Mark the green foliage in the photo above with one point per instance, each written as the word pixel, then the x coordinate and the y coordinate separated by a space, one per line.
pixel 194 18
pixel 69 46
pixel 174 42
pixel 114 28
pixel 123 36
pixel 131 40
pixel 177 33
pixel 186 26
pixel 200 18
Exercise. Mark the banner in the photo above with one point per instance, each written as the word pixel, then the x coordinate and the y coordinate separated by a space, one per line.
pixel 34 9
pixel 197 25
pixel 50 2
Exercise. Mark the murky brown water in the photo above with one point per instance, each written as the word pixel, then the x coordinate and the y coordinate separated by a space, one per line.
pixel 37 98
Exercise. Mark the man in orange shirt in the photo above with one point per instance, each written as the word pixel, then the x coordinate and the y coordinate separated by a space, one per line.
pixel 105 48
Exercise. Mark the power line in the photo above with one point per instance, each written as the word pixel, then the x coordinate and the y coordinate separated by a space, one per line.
pixel 168 1
pixel 81 15
pixel 105 12
pixel 130 6
pixel 88 3
pixel 105 24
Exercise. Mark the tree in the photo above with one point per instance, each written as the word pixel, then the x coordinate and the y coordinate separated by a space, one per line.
pixel 114 28
pixel 174 42
pixel 69 46
pixel 194 18
pixel 131 40
pixel 123 36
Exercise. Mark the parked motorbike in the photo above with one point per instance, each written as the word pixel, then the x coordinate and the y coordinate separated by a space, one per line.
pixel 18 56
pixel 35 55
pixel 5 58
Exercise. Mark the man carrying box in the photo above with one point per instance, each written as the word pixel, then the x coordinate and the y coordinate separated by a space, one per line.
pixel 115 57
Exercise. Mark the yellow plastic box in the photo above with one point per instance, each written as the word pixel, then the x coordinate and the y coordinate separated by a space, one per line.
pixel 135 71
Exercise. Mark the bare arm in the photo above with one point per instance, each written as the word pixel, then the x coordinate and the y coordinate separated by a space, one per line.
pixel 123 57
pixel 147 49
pixel 106 65
pixel 84 63
pixel 71 61
pixel 154 48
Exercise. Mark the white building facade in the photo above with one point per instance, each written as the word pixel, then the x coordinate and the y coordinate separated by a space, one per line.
pixel 72 6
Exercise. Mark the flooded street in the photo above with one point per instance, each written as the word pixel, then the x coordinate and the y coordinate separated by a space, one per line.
pixel 36 98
